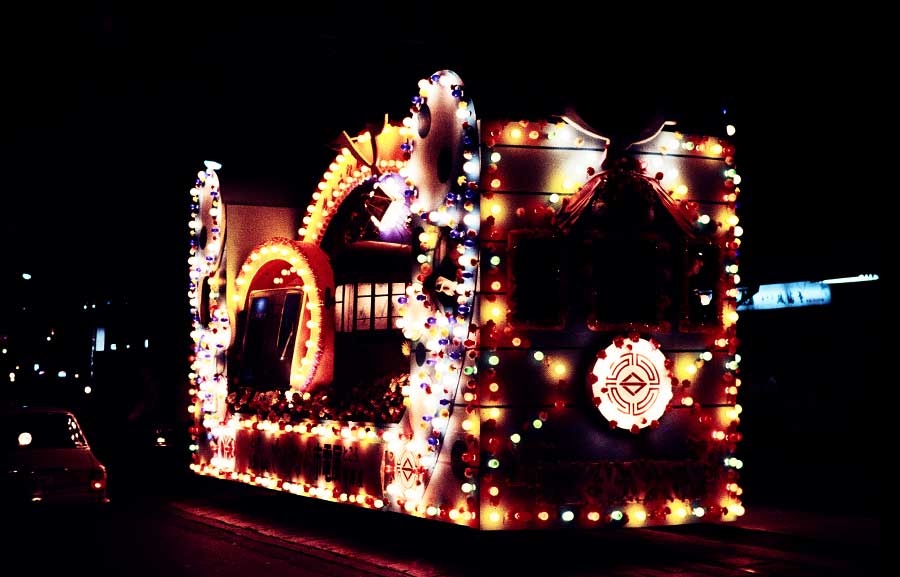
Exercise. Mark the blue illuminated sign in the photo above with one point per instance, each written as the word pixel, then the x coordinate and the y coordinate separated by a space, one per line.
pixel 785 295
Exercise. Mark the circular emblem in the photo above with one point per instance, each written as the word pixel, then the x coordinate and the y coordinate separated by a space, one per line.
pixel 633 387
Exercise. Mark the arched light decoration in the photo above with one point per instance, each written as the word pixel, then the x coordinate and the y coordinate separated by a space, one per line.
pixel 359 159
pixel 344 174
pixel 631 384
pixel 283 263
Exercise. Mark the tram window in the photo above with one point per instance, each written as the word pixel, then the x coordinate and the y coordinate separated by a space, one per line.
pixel 381 305
pixel 398 291
pixel 339 308
pixel 269 339
pixel 703 273
pixel 632 279
pixel 261 326
pixel 349 300
pixel 260 315
pixel 535 280
pixel 363 306
pixel 363 310
pixel 367 306
pixel 287 333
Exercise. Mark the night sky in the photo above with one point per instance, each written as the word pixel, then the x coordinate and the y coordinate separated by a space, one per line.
pixel 110 112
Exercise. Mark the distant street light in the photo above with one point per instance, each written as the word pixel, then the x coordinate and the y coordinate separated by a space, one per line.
pixel 26 276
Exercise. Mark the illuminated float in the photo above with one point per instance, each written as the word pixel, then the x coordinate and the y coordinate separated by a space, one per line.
pixel 488 323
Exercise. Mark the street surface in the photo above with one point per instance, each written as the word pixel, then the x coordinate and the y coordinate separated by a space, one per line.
pixel 201 527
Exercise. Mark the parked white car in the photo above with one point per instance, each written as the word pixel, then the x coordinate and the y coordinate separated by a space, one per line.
pixel 48 459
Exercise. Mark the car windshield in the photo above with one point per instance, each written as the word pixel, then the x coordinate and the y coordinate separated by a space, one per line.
pixel 41 431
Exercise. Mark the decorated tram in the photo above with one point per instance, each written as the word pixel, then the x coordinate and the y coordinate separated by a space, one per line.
pixel 502 324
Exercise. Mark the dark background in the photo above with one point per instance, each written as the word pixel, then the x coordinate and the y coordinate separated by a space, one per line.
pixel 108 113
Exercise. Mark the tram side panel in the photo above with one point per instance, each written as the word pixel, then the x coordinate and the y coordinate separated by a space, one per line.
pixel 549 455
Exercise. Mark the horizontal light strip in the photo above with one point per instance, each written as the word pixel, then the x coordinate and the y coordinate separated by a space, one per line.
pixel 849 279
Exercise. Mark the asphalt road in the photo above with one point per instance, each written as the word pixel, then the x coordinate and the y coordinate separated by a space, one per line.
pixel 207 527
pixel 149 538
